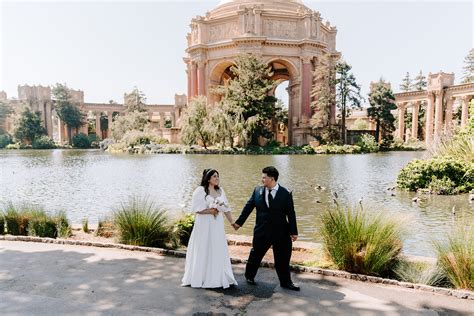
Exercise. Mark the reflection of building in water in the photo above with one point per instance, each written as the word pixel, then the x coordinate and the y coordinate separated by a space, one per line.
pixel 164 118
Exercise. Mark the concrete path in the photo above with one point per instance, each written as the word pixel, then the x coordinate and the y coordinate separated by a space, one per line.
pixel 49 279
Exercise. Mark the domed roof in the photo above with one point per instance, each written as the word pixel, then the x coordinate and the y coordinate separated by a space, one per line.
pixel 243 1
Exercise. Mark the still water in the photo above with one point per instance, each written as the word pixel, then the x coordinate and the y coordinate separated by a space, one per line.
pixel 91 183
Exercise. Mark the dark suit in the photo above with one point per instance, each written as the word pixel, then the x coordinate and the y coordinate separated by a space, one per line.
pixel 273 227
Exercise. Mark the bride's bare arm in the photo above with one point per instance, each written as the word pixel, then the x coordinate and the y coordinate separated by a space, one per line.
pixel 229 217
pixel 211 211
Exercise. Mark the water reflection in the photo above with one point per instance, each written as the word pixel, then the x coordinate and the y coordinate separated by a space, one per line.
pixel 90 183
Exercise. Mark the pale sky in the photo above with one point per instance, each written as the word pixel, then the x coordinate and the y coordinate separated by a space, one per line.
pixel 105 48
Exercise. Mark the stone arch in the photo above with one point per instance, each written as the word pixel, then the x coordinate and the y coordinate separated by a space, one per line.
pixel 218 70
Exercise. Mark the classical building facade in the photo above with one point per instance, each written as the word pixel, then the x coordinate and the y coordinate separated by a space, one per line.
pixel 286 34
pixel 38 98
pixel 440 99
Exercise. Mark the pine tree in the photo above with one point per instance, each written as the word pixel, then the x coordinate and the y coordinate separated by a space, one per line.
pixel 420 83
pixel 29 126
pixel 135 101
pixel 347 94
pixel 468 68
pixel 248 93
pixel 67 110
pixel 323 93
pixel 382 102
pixel 406 84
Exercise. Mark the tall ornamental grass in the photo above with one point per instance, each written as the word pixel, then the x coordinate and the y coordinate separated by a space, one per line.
pixel 140 222
pixel 359 242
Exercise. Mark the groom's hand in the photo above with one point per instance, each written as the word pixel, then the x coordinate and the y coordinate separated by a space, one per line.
pixel 294 237
pixel 236 226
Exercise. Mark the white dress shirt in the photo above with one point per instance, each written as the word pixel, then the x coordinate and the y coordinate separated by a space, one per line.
pixel 273 192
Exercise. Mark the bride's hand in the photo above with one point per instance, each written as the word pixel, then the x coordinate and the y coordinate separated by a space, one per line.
pixel 214 211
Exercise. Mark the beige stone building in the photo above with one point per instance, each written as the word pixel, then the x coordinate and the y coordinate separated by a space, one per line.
pixel 286 34
pixel 441 98
pixel 38 98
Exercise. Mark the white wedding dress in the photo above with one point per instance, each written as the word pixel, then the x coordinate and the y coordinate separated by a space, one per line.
pixel 207 259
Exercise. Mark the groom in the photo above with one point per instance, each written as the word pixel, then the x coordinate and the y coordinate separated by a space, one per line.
pixel 275 226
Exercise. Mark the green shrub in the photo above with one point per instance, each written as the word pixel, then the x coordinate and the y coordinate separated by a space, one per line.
pixel 81 141
pixel 368 144
pixel 41 225
pixel 135 138
pixel 16 220
pixel 85 225
pixel 359 242
pixel 183 228
pixel 43 142
pixel 2 224
pixel 445 175
pixel 456 258
pixel 139 222
pixel 94 140
pixel 5 140
pixel 420 273
pixel 62 224
pixel 459 147
pixel 15 146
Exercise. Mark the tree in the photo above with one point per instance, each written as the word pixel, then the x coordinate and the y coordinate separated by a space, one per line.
pixel 5 111
pixel 248 92
pixel 135 120
pixel 382 102
pixel 468 68
pixel 135 101
pixel 360 125
pixel 323 93
pixel 347 94
pixel 407 84
pixel 29 126
pixel 227 123
pixel 196 123
pixel 420 83
pixel 67 110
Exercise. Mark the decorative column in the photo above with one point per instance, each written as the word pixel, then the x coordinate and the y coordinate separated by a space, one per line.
pixel 173 119
pixel 162 120
pixel 201 78
pixel 429 119
pixel 448 122
pixel 109 124
pixel 306 87
pixel 401 120
pixel 438 113
pixel 60 131
pixel 97 124
pixel 49 119
pixel 414 122
pixel 465 110
pixel 188 74
pixel 194 80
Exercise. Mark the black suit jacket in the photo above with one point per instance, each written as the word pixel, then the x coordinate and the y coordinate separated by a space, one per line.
pixel 277 221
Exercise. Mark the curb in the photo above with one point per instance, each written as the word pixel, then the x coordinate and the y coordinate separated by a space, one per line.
pixel 461 294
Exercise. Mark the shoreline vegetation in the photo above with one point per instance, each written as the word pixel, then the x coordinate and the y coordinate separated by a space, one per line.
pixel 352 240
pixel 449 170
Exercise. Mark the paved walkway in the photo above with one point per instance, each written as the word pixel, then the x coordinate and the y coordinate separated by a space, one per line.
pixel 50 279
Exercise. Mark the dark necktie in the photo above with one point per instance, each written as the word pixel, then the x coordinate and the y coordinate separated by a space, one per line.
pixel 270 198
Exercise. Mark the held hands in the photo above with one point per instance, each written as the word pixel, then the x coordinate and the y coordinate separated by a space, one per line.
pixel 235 226
pixel 294 237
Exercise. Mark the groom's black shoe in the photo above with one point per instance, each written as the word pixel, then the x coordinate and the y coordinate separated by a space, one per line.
pixel 251 281
pixel 290 286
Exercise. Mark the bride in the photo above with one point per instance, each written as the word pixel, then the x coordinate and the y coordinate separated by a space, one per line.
pixel 207 259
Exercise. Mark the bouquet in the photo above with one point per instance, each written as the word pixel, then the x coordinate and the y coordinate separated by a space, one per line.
pixel 219 204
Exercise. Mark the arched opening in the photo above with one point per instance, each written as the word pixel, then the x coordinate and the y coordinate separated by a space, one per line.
pixel 283 101
pixel 284 74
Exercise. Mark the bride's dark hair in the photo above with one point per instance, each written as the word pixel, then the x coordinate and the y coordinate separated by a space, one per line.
pixel 206 176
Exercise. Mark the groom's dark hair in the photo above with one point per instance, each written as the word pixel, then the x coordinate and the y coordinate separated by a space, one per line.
pixel 271 172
